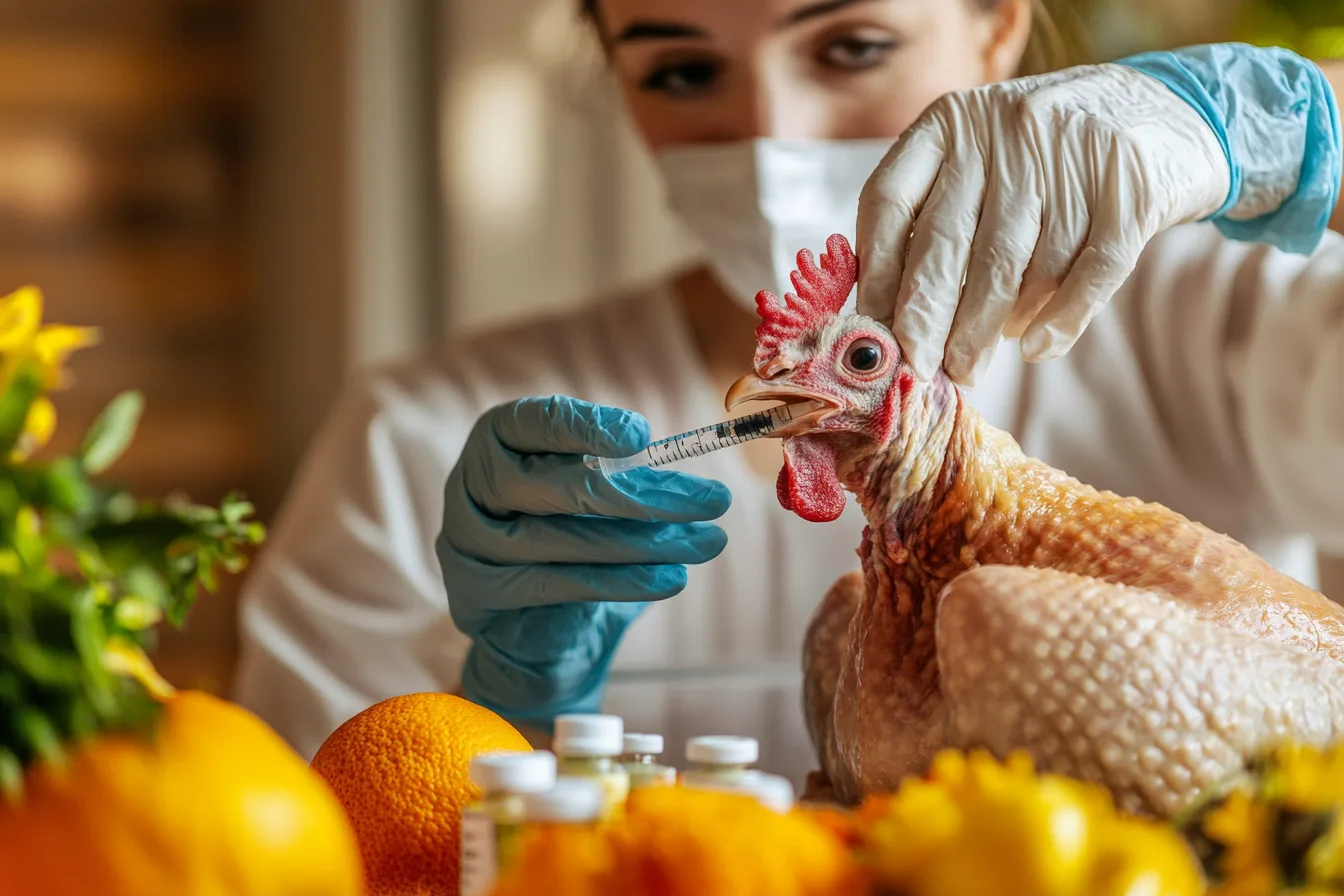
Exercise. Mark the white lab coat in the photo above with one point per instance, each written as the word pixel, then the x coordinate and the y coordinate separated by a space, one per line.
pixel 1208 384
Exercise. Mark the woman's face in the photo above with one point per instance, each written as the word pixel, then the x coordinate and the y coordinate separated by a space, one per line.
pixel 699 71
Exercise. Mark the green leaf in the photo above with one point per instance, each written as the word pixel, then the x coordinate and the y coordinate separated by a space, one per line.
pixel 89 634
pixel 67 487
pixel 11 775
pixel 120 507
pixel 11 691
pixel 87 570
pixel 147 535
pixel 41 735
pixel 146 582
pixel 81 721
pixel 134 613
pixel 44 666
pixel 112 432
pixel 24 388
pixel 94 568
pixel 27 537
pixel 235 511
pixel 180 606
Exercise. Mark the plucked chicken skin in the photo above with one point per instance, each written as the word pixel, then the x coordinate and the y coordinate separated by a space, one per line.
pixel 1003 604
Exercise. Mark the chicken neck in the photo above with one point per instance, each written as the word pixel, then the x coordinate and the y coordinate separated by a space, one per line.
pixel 929 494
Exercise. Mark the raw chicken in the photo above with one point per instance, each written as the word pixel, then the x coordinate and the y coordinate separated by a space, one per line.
pixel 1002 603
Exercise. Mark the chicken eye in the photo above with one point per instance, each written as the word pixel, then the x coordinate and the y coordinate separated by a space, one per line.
pixel 864 356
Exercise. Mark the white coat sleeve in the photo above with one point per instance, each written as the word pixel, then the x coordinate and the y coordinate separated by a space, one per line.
pixel 1244 345
pixel 346 605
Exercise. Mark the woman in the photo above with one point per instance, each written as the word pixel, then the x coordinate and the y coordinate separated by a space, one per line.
pixel 1204 383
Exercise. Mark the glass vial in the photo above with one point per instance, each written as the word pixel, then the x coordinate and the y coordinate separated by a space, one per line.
pixel 589 746
pixel 640 760
pixel 719 761
pixel 569 801
pixel 772 791
pixel 492 824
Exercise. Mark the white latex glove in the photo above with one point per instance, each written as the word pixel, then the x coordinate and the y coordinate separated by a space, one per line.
pixel 1039 194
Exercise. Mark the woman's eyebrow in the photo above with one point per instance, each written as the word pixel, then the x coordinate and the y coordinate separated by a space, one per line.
pixel 655 30
pixel 825 7
pixel 645 30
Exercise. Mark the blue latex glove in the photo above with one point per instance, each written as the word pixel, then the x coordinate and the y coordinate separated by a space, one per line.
pixel 547 562
pixel 1278 121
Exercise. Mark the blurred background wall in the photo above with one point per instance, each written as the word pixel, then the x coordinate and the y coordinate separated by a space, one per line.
pixel 253 198
pixel 128 133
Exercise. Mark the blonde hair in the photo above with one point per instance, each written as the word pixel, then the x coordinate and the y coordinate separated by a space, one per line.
pixel 1057 39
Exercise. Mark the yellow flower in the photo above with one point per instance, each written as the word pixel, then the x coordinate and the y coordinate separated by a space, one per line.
pixel 1303 778
pixel 38 427
pixel 1284 829
pixel 52 347
pixel 24 338
pixel 979 827
pixel 1242 827
pixel 121 657
pixel 1142 858
pixel 20 318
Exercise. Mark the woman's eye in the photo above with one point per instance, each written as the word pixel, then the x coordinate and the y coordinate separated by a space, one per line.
pixel 682 79
pixel 855 53
pixel 864 356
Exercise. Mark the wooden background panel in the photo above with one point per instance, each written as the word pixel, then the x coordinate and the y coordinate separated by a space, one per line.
pixel 126 139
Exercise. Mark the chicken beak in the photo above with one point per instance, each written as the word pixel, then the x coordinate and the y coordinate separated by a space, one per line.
pixel 749 388
pixel 755 388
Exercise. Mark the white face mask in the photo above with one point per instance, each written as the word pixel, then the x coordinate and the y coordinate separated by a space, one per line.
pixel 755 203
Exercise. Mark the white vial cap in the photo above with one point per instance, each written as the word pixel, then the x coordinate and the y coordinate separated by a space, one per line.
pixel 568 799
pixel 644 743
pixel 514 772
pixel 772 791
pixel 588 735
pixel 719 749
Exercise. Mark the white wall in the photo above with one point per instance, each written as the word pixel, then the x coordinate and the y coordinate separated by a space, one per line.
pixel 395 214
pixel 549 198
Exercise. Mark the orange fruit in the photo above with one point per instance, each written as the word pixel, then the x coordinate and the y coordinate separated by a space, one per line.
pixel 216 803
pixel 400 768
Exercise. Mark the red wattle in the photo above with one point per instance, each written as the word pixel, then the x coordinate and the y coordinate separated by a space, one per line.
pixel 808 485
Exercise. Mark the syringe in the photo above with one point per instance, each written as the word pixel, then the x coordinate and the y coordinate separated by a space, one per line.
pixel 702 441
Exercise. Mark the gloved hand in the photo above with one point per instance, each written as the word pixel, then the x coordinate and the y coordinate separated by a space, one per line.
pixel 547 562
pixel 1020 208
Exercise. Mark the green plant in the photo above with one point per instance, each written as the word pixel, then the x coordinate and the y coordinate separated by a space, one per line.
pixel 86 569
pixel 1313 28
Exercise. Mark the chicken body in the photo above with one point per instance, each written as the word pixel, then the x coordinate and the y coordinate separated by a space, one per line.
pixel 1002 603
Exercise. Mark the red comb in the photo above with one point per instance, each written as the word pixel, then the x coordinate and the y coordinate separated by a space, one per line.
pixel 821 293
